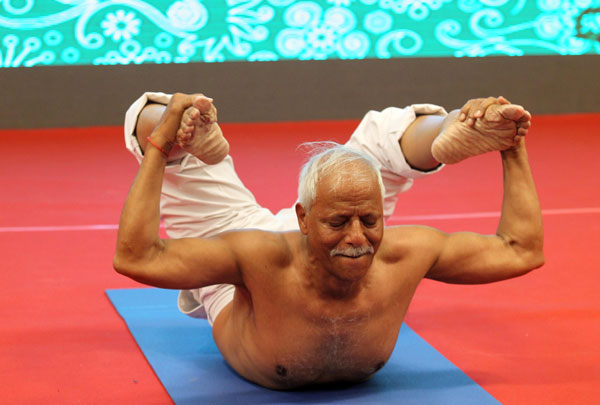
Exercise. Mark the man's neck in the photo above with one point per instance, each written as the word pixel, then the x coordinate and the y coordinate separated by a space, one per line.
pixel 324 282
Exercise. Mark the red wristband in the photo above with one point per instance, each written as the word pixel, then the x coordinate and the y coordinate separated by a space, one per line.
pixel 164 152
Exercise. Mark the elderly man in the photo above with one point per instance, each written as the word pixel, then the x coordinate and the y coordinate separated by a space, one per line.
pixel 318 296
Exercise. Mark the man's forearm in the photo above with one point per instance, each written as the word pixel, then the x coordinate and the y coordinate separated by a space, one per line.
pixel 521 220
pixel 140 218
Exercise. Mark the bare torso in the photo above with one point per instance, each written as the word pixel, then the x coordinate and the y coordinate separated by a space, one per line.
pixel 280 333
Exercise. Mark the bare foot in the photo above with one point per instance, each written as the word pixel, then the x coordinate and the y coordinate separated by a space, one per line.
pixel 483 126
pixel 199 133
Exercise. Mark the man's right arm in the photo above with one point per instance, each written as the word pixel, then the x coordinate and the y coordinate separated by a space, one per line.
pixel 140 253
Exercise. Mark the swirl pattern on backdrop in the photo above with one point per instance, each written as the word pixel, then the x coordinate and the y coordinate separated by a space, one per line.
pixel 121 32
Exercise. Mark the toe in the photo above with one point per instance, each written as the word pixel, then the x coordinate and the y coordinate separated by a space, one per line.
pixel 203 103
pixel 511 112
pixel 189 116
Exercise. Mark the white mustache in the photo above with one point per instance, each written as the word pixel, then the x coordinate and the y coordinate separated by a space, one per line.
pixel 352 251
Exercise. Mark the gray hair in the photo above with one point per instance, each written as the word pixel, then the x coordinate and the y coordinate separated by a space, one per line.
pixel 330 157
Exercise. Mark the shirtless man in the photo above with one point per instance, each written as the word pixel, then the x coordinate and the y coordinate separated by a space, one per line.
pixel 323 302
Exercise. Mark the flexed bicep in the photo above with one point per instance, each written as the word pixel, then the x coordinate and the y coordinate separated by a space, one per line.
pixel 472 258
pixel 185 263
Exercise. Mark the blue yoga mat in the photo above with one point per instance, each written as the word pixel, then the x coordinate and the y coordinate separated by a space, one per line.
pixel 185 358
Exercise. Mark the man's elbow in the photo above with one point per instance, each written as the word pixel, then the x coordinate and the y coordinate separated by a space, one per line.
pixel 524 264
pixel 534 259
pixel 529 253
pixel 540 259
pixel 122 265
pixel 129 257
pixel 126 260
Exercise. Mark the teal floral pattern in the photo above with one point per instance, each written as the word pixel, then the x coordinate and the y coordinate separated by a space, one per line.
pixel 111 32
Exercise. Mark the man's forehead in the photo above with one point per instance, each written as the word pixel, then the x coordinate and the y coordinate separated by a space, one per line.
pixel 335 212
pixel 345 185
pixel 350 198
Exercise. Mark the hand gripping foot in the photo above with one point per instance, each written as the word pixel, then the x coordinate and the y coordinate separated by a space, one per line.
pixel 199 133
pixel 496 130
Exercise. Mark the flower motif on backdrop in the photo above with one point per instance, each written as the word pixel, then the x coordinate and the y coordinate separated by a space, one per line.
pixel 109 32
pixel 120 25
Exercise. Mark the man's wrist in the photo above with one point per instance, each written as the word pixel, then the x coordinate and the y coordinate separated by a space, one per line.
pixel 160 143
pixel 517 149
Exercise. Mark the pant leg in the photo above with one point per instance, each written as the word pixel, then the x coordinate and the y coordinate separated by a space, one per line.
pixel 379 134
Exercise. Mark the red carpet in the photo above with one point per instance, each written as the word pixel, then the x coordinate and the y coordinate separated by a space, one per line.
pixel 528 340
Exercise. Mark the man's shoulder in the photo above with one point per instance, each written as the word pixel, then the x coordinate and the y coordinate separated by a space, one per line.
pixel 411 248
pixel 255 245
pixel 400 240
pixel 407 233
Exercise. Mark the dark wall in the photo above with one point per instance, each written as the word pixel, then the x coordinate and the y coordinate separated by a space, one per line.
pixel 290 90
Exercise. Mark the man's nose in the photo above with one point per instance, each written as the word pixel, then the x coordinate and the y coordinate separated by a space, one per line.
pixel 356 235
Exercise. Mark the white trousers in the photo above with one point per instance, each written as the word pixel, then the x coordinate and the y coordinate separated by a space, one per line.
pixel 200 200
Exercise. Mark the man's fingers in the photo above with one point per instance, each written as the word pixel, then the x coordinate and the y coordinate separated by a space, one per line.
pixel 200 101
pixel 208 112
pixel 503 100
pixel 525 124
pixel 483 106
pixel 475 109
pixel 497 111
pixel 203 103
pixel 180 101
pixel 211 116
pixel 499 108
pixel 514 112
pixel 526 117
pixel 464 111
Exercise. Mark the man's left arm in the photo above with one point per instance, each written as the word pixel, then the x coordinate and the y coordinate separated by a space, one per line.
pixel 517 247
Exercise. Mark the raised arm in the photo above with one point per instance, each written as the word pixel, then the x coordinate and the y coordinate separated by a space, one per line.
pixel 140 253
pixel 517 247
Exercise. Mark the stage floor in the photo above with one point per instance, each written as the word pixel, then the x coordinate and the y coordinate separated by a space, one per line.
pixel 529 340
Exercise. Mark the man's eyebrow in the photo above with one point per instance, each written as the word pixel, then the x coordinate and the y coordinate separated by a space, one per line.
pixel 337 216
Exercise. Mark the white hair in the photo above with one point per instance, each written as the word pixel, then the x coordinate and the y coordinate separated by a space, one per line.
pixel 327 158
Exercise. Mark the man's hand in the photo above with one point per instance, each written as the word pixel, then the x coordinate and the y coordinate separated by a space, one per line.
pixel 500 114
pixel 482 125
pixel 199 133
pixel 170 121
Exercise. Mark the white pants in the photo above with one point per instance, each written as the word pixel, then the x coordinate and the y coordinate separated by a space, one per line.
pixel 200 200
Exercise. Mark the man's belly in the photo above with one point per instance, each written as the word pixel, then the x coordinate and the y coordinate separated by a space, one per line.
pixel 304 358
pixel 307 368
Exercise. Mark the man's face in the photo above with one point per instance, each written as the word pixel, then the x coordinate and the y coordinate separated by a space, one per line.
pixel 345 224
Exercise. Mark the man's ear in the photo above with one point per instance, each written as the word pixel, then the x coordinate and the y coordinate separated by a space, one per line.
pixel 301 214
